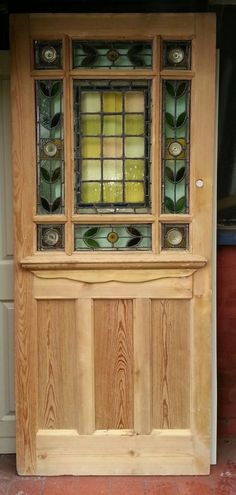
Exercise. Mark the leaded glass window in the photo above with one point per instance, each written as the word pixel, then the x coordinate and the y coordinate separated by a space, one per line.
pixel 112 54
pixel 175 146
pixel 113 237
pixel 112 145
pixel 50 144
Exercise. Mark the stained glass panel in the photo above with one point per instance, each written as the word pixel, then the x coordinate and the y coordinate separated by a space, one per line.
pixel 50 237
pixel 176 55
pixel 50 143
pixel 175 146
pixel 112 145
pixel 112 54
pixel 113 237
pixel 175 236
pixel 47 54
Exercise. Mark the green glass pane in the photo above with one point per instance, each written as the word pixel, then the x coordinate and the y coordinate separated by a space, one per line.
pixel 134 147
pixel 112 125
pixel 134 192
pixel 90 192
pixel 112 169
pixel 113 237
pixel 90 147
pixel 112 192
pixel 112 147
pixel 134 124
pixel 91 124
pixel 90 102
pixel 134 169
pixel 90 169
pixel 134 102
pixel 112 102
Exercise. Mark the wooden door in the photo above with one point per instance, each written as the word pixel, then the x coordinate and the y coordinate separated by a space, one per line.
pixel 7 402
pixel 113 120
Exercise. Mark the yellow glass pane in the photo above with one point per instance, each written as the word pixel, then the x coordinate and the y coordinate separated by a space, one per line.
pixel 90 102
pixel 91 192
pixel 134 192
pixel 90 169
pixel 112 102
pixel 112 125
pixel 112 169
pixel 134 124
pixel 112 147
pixel 134 169
pixel 134 102
pixel 91 124
pixel 112 192
pixel 90 147
pixel 134 147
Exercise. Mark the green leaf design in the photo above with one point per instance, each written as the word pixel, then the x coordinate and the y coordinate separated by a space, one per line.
pixel 169 204
pixel 91 232
pixel 91 57
pixel 55 88
pixel 45 174
pixel 169 174
pixel 133 242
pixel 180 174
pixel 170 89
pixel 45 121
pixel 56 174
pixel 91 243
pixel 135 56
pixel 44 88
pixel 170 120
pixel 45 204
pixel 55 120
pixel 181 119
pixel 180 205
pixel 133 231
pixel 56 204
pixel 181 89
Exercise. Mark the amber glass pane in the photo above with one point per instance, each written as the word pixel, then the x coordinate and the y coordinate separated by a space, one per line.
pixel 134 147
pixel 90 102
pixel 91 124
pixel 134 124
pixel 134 102
pixel 112 147
pixel 91 192
pixel 134 169
pixel 112 102
pixel 134 192
pixel 112 125
pixel 112 192
pixel 112 169
pixel 91 170
pixel 90 147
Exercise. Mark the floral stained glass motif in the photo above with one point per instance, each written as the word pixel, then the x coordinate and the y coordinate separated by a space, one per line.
pixel 50 237
pixel 176 55
pixel 50 154
pixel 47 54
pixel 175 236
pixel 112 146
pixel 175 146
pixel 112 54
pixel 113 237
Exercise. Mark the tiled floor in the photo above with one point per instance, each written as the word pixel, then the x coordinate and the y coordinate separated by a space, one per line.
pixel 222 481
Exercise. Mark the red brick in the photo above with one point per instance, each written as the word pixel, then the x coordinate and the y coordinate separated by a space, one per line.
pixel 196 487
pixel 25 487
pixel 76 485
pixel 161 488
pixel 127 486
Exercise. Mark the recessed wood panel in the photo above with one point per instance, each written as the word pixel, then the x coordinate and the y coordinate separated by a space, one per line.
pixel 113 363
pixel 57 350
pixel 171 363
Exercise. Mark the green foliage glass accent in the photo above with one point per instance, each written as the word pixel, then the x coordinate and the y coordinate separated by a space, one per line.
pixel 112 54
pixel 49 139
pixel 175 149
pixel 113 237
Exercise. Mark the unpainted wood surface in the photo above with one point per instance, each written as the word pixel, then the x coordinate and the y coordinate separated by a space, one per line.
pixel 57 368
pixel 171 363
pixel 113 350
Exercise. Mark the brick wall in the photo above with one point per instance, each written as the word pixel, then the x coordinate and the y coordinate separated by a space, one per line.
pixel 226 303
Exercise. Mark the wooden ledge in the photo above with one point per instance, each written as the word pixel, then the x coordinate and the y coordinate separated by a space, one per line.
pixel 75 262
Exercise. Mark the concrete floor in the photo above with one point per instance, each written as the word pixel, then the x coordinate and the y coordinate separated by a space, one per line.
pixel 221 481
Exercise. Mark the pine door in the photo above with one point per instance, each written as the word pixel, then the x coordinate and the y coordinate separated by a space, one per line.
pixel 113 120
